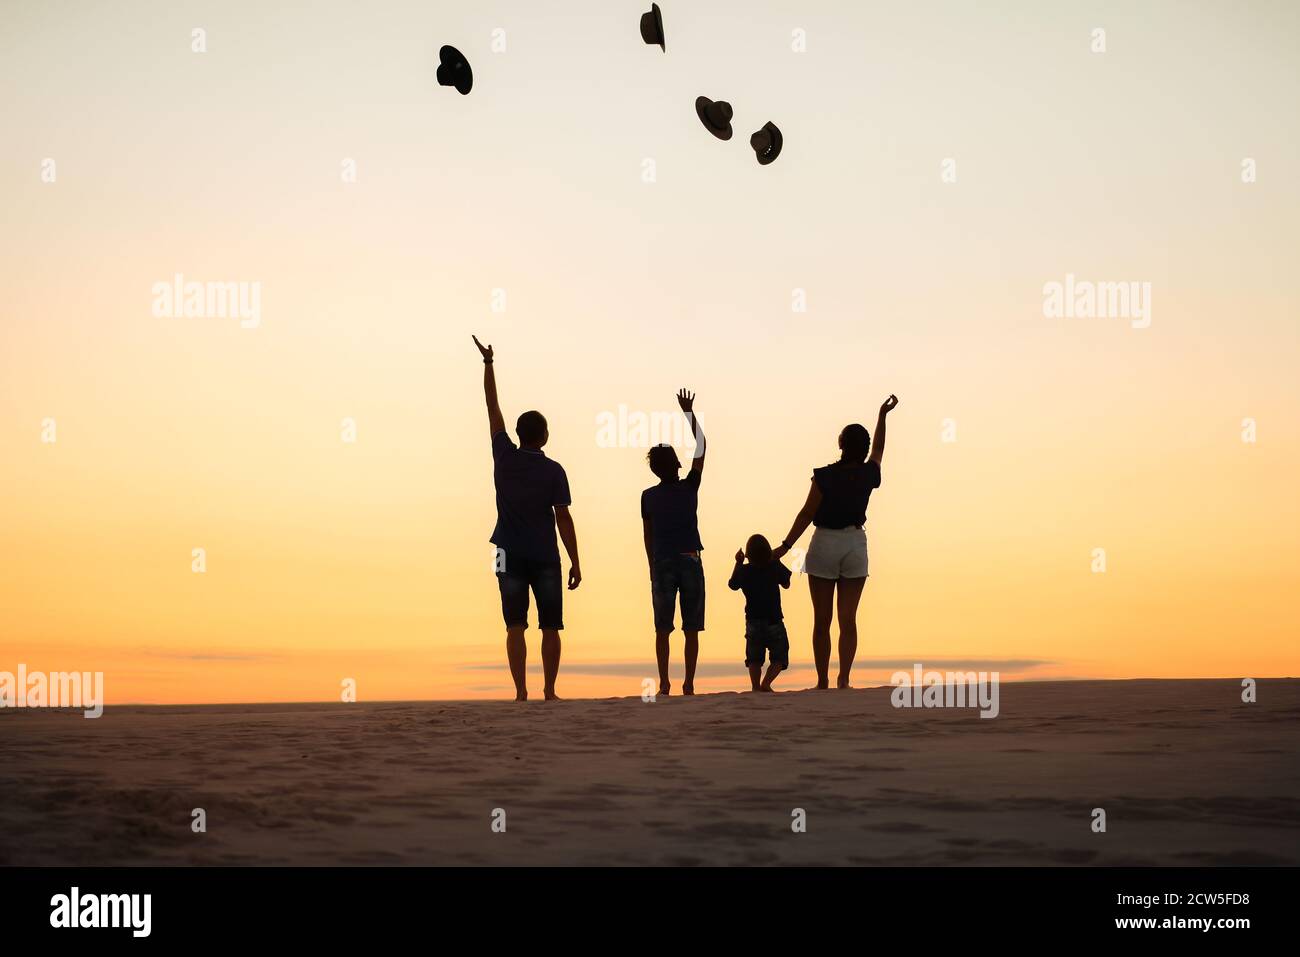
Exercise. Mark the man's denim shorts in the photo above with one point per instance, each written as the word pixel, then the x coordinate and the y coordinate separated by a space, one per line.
pixel 547 583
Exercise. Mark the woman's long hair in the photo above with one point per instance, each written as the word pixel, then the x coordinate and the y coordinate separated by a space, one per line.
pixel 855 444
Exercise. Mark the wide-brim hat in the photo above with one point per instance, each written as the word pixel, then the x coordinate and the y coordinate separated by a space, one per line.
pixel 652 26
pixel 766 143
pixel 454 70
pixel 716 117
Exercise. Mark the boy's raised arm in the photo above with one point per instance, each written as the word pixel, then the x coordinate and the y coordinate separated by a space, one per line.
pixel 496 421
pixel 687 402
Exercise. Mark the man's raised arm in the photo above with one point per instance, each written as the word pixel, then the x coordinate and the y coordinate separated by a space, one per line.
pixel 496 422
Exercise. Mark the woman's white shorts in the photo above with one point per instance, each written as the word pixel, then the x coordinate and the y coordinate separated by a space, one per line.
pixel 837 553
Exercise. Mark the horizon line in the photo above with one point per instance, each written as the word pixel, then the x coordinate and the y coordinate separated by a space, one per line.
pixel 507 700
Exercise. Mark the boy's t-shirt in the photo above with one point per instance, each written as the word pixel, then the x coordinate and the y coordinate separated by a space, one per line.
pixel 762 587
pixel 671 508
pixel 529 486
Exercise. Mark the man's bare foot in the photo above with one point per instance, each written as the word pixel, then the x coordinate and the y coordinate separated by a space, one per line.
pixel 688 689
pixel 522 697
pixel 552 696
pixel 767 688
pixel 822 686
pixel 755 688
pixel 843 682
pixel 665 689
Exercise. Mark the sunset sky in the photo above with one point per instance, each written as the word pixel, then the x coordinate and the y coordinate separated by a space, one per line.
pixel 370 560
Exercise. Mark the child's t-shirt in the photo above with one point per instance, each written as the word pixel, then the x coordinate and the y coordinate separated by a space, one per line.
pixel 762 586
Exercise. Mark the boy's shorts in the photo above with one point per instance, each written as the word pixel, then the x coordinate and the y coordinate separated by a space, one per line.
pixel 766 636
pixel 547 583
pixel 678 575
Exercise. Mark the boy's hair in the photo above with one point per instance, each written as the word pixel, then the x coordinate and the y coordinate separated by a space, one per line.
pixel 758 550
pixel 663 461
pixel 855 443
pixel 531 428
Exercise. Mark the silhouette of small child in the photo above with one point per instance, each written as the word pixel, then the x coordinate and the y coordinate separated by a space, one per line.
pixel 761 581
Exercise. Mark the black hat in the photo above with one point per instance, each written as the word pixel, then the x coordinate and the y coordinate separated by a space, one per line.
pixel 766 143
pixel 652 26
pixel 453 70
pixel 716 117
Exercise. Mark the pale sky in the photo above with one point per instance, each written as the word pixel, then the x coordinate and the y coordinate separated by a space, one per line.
pixel 329 559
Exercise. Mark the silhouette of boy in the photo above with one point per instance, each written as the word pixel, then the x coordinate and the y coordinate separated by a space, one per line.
pixel 672 547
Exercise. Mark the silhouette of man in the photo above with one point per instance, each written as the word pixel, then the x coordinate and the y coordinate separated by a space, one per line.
pixel 532 503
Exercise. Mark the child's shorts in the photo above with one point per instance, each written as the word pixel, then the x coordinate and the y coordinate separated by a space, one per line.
pixel 769 636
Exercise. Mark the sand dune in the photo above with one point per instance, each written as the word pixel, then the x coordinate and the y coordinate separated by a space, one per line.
pixel 1186 773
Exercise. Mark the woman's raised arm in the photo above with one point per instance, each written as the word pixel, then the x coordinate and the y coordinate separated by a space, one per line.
pixel 878 440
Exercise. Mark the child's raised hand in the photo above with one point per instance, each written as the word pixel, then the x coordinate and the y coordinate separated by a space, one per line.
pixel 740 556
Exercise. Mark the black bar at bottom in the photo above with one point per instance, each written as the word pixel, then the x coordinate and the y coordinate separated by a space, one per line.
pixel 332 905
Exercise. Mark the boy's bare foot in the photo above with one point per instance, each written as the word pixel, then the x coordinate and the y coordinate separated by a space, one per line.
pixel 665 689
pixel 822 686
pixel 843 682
pixel 767 688
pixel 552 696
pixel 688 689
pixel 522 696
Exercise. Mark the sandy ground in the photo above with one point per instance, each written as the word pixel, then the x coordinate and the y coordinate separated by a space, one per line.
pixel 1186 773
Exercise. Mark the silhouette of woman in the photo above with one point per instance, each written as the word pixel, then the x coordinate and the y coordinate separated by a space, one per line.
pixel 836 562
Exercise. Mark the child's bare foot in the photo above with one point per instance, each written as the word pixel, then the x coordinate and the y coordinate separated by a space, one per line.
pixel 665 690
pixel 688 689
pixel 843 682
pixel 767 688
pixel 552 696
pixel 822 686
pixel 522 696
